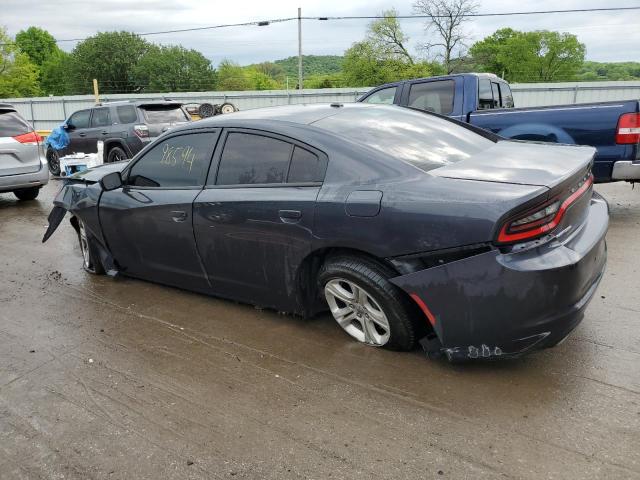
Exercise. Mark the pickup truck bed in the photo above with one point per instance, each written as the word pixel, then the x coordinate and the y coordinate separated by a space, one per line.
pixel 485 100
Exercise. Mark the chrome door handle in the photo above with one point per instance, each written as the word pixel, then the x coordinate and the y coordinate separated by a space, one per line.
pixel 178 216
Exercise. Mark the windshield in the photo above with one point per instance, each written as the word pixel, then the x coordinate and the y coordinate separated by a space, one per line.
pixel 163 114
pixel 423 140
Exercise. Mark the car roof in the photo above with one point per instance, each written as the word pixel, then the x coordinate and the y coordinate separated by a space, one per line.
pixel 138 103
pixel 304 114
pixel 7 106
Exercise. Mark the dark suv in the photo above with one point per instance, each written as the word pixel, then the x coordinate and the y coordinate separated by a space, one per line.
pixel 124 127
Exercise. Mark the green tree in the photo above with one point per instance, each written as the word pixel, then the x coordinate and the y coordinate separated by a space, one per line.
pixel 259 80
pixel 56 75
pixel 174 69
pixel 539 56
pixel 110 57
pixel 18 75
pixel 232 76
pixel 37 43
pixel 382 56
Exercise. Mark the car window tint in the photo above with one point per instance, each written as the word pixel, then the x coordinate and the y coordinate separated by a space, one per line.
pixel 485 94
pixel 12 124
pixel 163 114
pixel 253 159
pixel 434 97
pixel 496 94
pixel 384 96
pixel 305 167
pixel 100 117
pixel 80 119
pixel 507 96
pixel 424 141
pixel 180 161
pixel 127 114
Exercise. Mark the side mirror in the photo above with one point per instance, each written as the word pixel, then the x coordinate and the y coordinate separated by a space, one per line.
pixel 111 181
pixel 69 127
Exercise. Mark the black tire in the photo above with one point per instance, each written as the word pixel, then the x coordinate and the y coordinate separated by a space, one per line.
pixel 53 160
pixel 372 278
pixel 116 154
pixel 26 194
pixel 90 257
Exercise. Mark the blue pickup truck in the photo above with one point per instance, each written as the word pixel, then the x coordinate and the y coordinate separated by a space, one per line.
pixel 485 100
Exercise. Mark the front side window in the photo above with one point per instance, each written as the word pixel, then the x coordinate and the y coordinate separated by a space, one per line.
pixel 253 159
pixel 383 96
pixel 80 119
pixel 100 117
pixel 436 96
pixel 180 161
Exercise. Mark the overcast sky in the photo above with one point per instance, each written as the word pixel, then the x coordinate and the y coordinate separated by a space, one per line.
pixel 609 36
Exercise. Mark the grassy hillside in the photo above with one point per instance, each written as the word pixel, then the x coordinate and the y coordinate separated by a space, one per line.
pixel 311 65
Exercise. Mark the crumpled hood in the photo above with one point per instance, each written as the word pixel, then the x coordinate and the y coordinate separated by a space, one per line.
pixel 524 163
pixel 94 174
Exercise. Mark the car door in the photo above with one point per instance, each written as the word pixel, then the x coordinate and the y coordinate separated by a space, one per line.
pixel 254 220
pixel 77 126
pixel 99 128
pixel 147 223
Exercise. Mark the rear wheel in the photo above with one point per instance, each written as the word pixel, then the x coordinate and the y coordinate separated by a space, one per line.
pixel 366 305
pixel 116 154
pixel 227 108
pixel 27 193
pixel 90 259
pixel 53 160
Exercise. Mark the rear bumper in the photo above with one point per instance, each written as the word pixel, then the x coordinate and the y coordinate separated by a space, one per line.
pixel 506 304
pixel 626 170
pixel 9 183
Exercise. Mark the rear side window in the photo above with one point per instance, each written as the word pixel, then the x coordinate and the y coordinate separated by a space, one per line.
pixel 100 117
pixel 306 167
pixel 163 114
pixel 127 114
pixel 383 96
pixel 253 159
pixel 80 119
pixel 507 96
pixel 485 95
pixel 180 161
pixel 12 124
pixel 434 96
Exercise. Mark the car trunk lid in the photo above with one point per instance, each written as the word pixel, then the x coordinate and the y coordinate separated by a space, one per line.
pixel 19 145
pixel 523 163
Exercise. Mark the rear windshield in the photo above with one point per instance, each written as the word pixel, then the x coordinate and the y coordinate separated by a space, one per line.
pixel 423 140
pixel 163 114
pixel 12 124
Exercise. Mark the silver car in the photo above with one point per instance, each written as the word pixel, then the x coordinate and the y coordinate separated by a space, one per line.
pixel 23 166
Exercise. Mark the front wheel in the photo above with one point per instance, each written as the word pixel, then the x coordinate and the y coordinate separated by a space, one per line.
pixel 90 259
pixel 366 305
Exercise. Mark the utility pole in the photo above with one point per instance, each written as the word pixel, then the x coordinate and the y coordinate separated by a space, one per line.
pixel 299 48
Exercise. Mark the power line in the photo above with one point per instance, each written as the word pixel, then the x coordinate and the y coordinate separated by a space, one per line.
pixel 261 23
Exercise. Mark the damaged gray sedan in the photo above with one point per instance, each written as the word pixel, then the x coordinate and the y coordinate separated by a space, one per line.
pixel 406 226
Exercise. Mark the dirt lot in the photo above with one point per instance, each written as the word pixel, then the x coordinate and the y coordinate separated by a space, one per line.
pixel 117 378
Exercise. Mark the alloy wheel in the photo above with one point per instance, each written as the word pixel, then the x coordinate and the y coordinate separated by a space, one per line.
pixel 84 246
pixel 357 312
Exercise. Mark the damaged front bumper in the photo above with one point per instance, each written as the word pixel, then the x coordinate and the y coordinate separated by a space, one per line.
pixel 497 304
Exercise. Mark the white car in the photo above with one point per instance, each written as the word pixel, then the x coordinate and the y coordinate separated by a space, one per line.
pixel 23 166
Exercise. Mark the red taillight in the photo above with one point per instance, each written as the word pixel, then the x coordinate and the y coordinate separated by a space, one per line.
pixel 628 129
pixel 31 138
pixel 141 131
pixel 534 224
